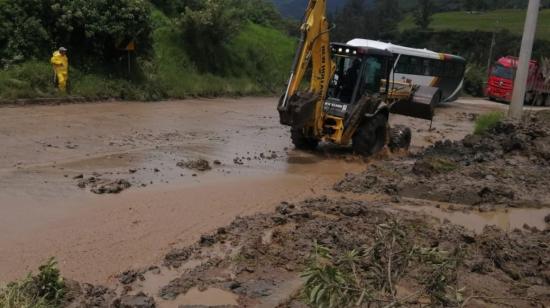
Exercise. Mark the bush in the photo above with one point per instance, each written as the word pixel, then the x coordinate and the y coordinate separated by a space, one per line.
pixel 46 289
pixel 474 80
pixel 31 79
pixel 487 121
pixel 207 30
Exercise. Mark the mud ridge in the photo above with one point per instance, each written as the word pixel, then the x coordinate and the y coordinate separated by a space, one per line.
pixel 508 166
pixel 260 259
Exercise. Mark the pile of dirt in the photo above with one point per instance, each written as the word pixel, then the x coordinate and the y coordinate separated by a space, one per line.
pixel 509 165
pixel 87 296
pixel 199 165
pixel 261 258
pixel 101 186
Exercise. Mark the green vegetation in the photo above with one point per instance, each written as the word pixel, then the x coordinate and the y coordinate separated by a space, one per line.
pixel 368 276
pixel 511 20
pixel 205 48
pixel 32 29
pixel 46 289
pixel 487 121
pixel 474 81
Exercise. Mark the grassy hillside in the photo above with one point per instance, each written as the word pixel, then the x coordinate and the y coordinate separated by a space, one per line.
pixel 296 8
pixel 259 58
pixel 512 20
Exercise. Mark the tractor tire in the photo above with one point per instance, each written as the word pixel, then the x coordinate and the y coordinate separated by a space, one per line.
pixel 400 138
pixel 301 141
pixel 371 136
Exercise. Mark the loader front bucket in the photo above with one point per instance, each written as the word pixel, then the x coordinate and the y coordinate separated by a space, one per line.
pixel 421 105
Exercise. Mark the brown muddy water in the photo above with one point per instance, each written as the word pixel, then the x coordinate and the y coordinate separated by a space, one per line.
pixel 43 213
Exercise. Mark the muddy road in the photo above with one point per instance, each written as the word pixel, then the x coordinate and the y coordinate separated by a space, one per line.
pixel 52 157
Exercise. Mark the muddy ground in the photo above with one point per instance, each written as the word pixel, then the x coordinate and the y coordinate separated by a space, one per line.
pixel 258 261
pixel 119 192
pixel 508 166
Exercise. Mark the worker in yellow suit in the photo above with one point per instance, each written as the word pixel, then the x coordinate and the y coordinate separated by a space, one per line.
pixel 60 64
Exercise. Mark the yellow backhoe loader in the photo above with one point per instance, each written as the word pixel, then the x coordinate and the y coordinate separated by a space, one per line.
pixel 350 93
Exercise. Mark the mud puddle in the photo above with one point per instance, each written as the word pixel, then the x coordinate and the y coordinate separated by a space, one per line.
pixel 208 297
pixel 507 220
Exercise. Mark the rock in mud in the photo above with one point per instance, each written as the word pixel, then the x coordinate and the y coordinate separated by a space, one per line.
pixel 129 277
pixel 86 295
pixel 177 256
pixel 111 187
pixel 104 186
pixel 199 165
pixel 207 240
pixel 135 301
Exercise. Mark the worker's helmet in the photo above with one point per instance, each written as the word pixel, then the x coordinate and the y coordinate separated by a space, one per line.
pixel 62 49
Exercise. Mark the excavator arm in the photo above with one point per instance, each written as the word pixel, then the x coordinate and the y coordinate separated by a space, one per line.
pixel 313 52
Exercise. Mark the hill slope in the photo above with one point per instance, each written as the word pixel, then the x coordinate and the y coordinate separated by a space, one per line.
pixel 512 20
pixel 296 8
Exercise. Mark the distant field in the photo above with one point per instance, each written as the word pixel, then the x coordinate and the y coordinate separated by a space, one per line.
pixel 512 20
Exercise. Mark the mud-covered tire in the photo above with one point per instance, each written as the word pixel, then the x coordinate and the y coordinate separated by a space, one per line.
pixel 371 136
pixel 400 138
pixel 301 141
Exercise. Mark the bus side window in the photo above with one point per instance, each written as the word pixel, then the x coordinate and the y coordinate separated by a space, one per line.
pixel 436 67
pixel 403 65
pixel 416 67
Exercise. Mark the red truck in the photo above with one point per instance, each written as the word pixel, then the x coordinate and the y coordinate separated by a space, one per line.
pixel 500 83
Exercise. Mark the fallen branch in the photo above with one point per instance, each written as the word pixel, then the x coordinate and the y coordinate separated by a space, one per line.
pixel 496 298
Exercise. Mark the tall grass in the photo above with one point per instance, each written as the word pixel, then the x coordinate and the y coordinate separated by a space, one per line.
pixel 46 289
pixel 487 121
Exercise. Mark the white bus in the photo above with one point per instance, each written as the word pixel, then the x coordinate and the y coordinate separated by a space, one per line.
pixel 423 67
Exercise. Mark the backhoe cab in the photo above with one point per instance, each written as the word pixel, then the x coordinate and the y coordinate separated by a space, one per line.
pixel 353 110
pixel 350 93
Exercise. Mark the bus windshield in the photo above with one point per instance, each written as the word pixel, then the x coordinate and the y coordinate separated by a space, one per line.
pixel 502 72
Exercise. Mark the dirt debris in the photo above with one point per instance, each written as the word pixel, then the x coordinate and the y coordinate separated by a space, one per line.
pixel 135 301
pixel 260 258
pixel 507 166
pixel 102 186
pixel 199 165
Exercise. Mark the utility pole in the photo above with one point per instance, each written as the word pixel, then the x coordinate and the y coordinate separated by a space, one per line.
pixel 518 97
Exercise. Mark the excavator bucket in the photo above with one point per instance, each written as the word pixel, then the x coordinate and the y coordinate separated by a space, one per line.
pixel 421 105
pixel 299 111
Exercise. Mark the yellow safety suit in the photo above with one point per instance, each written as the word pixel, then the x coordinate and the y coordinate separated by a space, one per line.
pixel 60 64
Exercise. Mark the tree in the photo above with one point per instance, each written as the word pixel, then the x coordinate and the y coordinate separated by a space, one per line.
pixel 350 21
pixel 423 14
pixel 468 5
pixel 387 17
pixel 207 30
pixel 93 31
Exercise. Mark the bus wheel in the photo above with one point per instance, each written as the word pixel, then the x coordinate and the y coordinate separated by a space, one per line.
pixel 371 137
